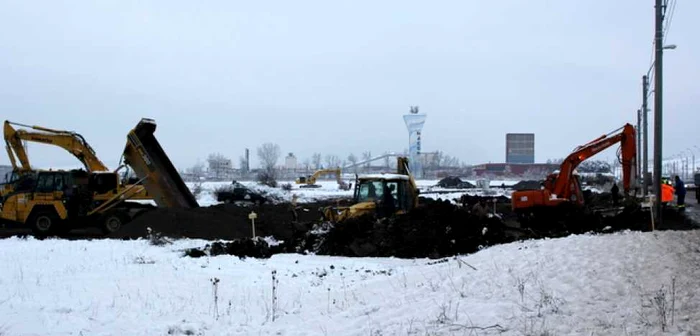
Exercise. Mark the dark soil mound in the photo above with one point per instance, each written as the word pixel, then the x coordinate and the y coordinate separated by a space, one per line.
pixel 253 248
pixel 434 230
pixel 224 221
pixel 527 185
pixel 454 182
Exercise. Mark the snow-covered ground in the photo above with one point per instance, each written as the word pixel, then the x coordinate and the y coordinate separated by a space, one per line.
pixel 579 285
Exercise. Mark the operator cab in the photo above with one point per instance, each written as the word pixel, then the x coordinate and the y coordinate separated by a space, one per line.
pixel 371 188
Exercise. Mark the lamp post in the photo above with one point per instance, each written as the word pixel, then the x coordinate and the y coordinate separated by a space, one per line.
pixel 658 103
pixel 645 124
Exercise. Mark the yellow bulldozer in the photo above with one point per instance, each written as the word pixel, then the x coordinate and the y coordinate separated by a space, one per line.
pixel 53 202
pixel 379 194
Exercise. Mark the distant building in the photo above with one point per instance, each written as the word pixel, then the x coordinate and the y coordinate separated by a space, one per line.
pixel 515 169
pixel 220 167
pixel 520 148
pixel 290 162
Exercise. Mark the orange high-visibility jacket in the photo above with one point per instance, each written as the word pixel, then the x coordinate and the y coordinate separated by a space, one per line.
pixel 667 192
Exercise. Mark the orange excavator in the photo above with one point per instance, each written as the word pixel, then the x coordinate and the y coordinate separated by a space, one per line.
pixel 564 187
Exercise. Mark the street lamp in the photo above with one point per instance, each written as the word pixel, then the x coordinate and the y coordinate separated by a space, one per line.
pixel 645 125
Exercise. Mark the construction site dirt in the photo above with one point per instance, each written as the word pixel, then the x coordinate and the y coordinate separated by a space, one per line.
pixel 438 228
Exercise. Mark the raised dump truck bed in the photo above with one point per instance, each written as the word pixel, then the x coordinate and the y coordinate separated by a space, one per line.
pixel 150 163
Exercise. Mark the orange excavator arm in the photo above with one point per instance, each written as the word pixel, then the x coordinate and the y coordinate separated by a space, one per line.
pixel 624 135
pixel 72 142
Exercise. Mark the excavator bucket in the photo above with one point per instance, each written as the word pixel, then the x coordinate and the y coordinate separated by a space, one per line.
pixel 148 160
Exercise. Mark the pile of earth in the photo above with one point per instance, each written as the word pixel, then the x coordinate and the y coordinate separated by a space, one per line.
pixel 438 229
pixel 433 230
pixel 527 185
pixel 223 221
pixel 454 182
pixel 242 248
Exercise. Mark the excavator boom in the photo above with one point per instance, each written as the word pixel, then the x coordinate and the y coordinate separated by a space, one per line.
pixel 146 157
pixel 626 138
pixel 564 187
pixel 72 142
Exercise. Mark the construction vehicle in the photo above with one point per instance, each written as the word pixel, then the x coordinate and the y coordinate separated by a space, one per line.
pixel 72 142
pixel 370 195
pixel 58 201
pixel 564 187
pixel 310 181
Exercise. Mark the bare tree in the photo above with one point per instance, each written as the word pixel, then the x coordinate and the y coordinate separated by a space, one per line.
pixel 316 160
pixel 353 161
pixel 437 160
pixel 269 154
pixel 307 165
pixel 366 156
pixel 332 161
pixel 198 170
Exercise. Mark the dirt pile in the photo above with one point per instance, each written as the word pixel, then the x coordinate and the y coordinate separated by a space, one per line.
pixel 435 230
pixel 223 221
pixel 454 182
pixel 242 248
pixel 527 185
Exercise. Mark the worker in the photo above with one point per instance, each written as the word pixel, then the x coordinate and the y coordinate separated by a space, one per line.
pixel 615 191
pixel 388 204
pixel 666 193
pixel 371 191
pixel 680 192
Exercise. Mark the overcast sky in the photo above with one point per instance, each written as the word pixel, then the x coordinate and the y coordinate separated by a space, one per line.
pixel 336 77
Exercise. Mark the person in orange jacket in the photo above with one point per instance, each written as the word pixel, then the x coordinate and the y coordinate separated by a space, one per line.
pixel 667 192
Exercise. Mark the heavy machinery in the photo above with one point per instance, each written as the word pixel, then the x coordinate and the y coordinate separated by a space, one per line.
pixel 564 187
pixel 372 191
pixel 57 201
pixel 72 142
pixel 310 181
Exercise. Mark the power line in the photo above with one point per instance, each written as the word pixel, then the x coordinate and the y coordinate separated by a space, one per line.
pixel 672 10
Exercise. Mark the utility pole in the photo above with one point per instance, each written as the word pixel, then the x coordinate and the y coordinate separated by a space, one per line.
pixel 658 113
pixel 645 131
pixel 638 171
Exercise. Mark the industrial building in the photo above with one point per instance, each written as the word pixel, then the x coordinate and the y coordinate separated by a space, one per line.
pixel 520 148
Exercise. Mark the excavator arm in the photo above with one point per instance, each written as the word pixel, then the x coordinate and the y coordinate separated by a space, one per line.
pixel 72 142
pixel 15 149
pixel 624 135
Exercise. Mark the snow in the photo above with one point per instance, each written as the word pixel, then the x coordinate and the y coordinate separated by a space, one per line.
pixel 385 176
pixel 579 285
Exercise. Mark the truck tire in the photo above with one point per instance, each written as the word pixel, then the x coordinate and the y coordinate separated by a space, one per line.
pixel 44 222
pixel 112 222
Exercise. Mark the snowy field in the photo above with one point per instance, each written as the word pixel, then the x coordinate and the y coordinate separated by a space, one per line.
pixel 329 190
pixel 579 285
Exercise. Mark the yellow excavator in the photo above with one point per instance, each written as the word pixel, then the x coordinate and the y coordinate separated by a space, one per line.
pixel 379 194
pixel 73 143
pixel 57 201
pixel 310 181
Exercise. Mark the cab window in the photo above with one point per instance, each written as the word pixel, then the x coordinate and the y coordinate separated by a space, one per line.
pixel 370 191
pixel 50 183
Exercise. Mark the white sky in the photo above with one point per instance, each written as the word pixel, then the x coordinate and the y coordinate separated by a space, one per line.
pixel 332 77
